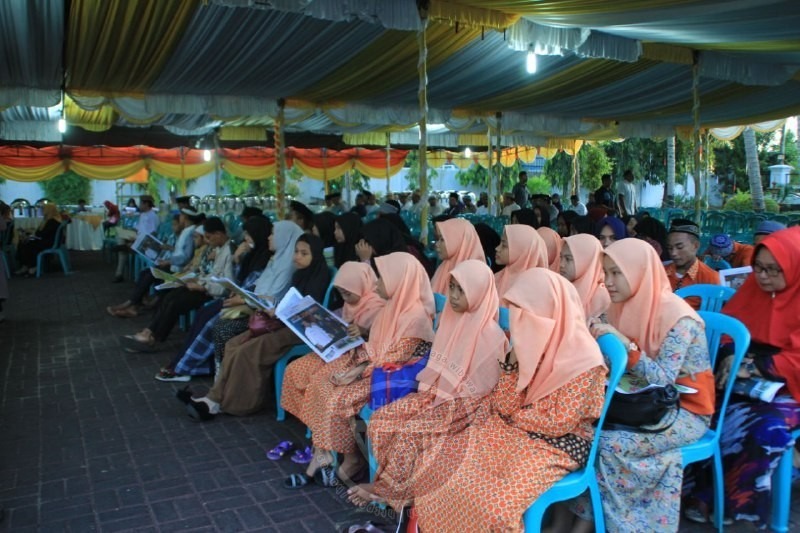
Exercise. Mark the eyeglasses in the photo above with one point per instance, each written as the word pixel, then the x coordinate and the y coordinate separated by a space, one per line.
pixel 772 271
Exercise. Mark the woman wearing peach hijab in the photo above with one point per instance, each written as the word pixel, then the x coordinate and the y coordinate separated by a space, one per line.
pixel 582 265
pixel 640 474
pixel 402 330
pixel 551 390
pixel 356 282
pixel 552 241
pixel 456 241
pixel 521 248
pixel 461 371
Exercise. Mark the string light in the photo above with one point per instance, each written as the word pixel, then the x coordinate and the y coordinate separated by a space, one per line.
pixel 467 153
pixel 62 125
pixel 206 155
pixel 530 63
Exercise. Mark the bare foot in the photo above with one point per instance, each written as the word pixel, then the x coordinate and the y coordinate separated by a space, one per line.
pixel 363 494
pixel 320 458
pixel 144 338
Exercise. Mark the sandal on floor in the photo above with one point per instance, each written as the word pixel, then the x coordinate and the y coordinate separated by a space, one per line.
pixel 184 395
pixel 303 457
pixel 366 527
pixel 277 453
pixel 297 481
pixel 326 477
pixel 131 343
pixel 199 410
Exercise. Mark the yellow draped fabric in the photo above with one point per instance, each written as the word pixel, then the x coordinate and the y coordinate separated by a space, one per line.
pixel 42 173
pixel 99 120
pixel 122 46
pixel 373 172
pixel 322 174
pixel 465 9
pixel 389 61
pixel 479 17
pixel 111 172
pixel 730 133
pixel 248 172
pixel 183 171
pixel 372 138
pixel 243 133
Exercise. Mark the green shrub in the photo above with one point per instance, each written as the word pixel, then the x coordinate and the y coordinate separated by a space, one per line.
pixel 742 201
pixel 67 189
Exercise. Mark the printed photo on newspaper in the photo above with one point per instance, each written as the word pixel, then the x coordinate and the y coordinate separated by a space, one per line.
pixel 171 281
pixel 251 298
pixel 149 247
pixel 734 277
pixel 320 329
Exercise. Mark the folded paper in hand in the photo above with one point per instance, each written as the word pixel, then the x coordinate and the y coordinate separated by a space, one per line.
pixel 250 298
pixel 149 247
pixel 171 281
pixel 317 327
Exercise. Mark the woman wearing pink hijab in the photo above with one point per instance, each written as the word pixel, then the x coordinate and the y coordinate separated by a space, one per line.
pixel 551 390
pixel 402 330
pixel 461 371
pixel 521 248
pixel 456 241
pixel 582 264
pixel 356 282
pixel 552 241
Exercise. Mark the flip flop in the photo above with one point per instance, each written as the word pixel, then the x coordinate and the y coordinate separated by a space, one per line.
pixel 297 481
pixel 302 457
pixel 131 344
pixel 277 453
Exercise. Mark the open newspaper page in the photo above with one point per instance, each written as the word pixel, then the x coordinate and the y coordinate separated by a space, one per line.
pixel 250 298
pixel 171 281
pixel 149 247
pixel 757 388
pixel 630 384
pixel 317 327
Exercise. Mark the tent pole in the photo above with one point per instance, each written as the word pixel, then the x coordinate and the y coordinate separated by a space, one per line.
pixel 280 161
pixel 422 67
pixel 499 148
pixel 698 199
pixel 490 171
pixel 388 162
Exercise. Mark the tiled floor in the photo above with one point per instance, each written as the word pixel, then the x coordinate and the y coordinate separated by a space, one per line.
pixel 89 441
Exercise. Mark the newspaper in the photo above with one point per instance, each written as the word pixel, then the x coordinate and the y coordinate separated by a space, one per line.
pixel 630 384
pixel 317 327
pixel 171 281
pixel 734 277
pixel 149 247
pixel 250 298
pixel 757 388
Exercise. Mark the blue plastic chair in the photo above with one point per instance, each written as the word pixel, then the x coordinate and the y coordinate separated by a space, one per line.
pixel 440 300
pixel 708 446
pixel 299 350
pixel 576 483
pixel 720 264
pixel 59 248
pixel 365 415
pixel 782 489
pixel 712 297
pixel 503 318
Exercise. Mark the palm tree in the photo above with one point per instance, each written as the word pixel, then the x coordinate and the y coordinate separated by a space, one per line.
pixel 669 186
pixel 753 169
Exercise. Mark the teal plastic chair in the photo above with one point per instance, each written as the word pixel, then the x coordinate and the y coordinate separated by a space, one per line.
pixel 782 489
pixel 708 446
pixel 59 248
pixel 298 350
pixel 715 264
pixel 576 483
pixel 712 297
pixel 440 300
pixel 503 318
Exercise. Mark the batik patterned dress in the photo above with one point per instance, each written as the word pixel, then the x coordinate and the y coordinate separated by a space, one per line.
pixel 640 474
pixel 484 478
pixel 328 408
pixel 402 431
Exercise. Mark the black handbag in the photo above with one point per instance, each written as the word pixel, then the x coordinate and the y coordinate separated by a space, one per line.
pixel 630 412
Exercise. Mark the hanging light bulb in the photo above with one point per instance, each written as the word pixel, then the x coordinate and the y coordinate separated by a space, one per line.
pixel 467 153
pixel 62 125
pixel 206 155
pixel 530 63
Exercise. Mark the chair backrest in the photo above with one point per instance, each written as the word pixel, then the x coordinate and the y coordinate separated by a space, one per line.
pixel 327 299
pixel 617 357
pixel 718 325
pixel 712 297
pixel 720 264
pixel 503 318
pixel 439 300
pixel 60 238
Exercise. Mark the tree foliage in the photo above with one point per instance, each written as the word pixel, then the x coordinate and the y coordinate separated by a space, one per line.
pixel 358 182
pixel 593 163
pixel 743 201
pixel 67 188
pixel 263 187
pixel 647 159
pixel 412 174
pixel 730 160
